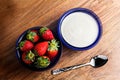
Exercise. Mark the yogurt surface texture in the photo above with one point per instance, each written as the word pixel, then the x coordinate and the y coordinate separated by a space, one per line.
pixel 79 29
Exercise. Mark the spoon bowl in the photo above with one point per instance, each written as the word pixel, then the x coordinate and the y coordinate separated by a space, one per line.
pixel 98 61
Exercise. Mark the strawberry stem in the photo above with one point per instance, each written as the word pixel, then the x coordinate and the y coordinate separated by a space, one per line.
pixel 53 45
pixel 30 36
pixel 30 56
pixel 42 30
pixel 42 62
pixel 21 44
pixel 17 47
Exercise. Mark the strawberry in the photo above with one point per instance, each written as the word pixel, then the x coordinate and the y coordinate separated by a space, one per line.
pixel 28 57
pixel 42 62
pixel 41 48
pixel 46 33
pixel 25 45
pixel 52 48
pixel 32 36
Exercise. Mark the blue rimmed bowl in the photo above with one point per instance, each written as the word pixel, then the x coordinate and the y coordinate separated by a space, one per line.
pixel 32 67
pixel 86 11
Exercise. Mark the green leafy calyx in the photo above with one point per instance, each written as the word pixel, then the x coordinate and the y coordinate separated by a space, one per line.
pixel 30 56
pixel 42 30
pixel 30 36
pixel 53 45
pixel 21 44
pixel 42 62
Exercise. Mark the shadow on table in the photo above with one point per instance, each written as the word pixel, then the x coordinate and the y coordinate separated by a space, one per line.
pixel 10 67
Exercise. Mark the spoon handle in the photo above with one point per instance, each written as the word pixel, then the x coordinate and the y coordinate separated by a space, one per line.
pixel 58 71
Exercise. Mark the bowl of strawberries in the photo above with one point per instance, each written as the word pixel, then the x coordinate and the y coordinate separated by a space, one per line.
pixel 38 48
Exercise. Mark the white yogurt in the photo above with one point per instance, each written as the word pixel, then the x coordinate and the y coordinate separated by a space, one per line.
pixel 79 29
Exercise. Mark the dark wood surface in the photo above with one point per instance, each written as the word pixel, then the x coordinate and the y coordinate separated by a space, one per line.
pixel 19 15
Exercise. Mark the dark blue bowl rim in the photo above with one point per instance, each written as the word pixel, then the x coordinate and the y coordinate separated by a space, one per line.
pixel 89 12
pixel 41 69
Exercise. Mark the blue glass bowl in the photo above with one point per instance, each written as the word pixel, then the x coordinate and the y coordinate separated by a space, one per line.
pixel 87 11
pixel 31 67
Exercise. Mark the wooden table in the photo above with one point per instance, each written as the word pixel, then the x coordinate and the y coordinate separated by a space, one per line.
pixel 19 15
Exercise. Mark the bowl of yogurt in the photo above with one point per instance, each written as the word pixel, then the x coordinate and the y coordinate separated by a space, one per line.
pixel 79 29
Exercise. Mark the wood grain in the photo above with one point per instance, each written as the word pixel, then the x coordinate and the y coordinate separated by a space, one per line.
pixel 19 15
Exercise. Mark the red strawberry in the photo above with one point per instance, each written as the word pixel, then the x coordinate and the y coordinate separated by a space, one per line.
pixel 42 62
pixel 41 48
pixel 28 57
pixel 46 33
pixel 53 49
pixel 25 45
pixel 32 36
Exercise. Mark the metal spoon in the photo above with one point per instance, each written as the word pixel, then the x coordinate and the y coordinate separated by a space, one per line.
pixel 95 62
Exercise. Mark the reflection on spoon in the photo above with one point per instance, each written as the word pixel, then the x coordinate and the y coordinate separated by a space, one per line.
pixel 95 62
